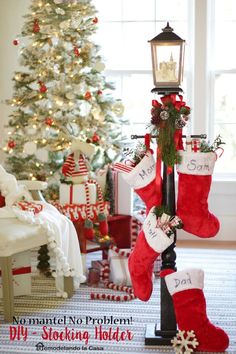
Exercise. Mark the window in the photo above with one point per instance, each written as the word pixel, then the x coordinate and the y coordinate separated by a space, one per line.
pixel 125 26
pixel 222 67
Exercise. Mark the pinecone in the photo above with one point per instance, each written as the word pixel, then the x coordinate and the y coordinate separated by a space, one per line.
pixel 155 120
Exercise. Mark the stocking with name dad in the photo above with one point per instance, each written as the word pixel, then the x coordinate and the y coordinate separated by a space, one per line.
pixel 186 289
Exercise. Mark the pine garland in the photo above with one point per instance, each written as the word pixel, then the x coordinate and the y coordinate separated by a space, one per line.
pixel 167 117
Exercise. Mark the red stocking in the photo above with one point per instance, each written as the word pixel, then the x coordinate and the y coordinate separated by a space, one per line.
pixel 185 288
pixel 195 173
pixel 150 243
pixel 143 179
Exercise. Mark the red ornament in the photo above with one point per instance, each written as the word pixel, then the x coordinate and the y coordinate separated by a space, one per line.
pixel 11 144
pixel 49 121
pixel 99 92
pixel 16 41
pixel 36 27
pixel 42 88
pixel 87 95
pixel 76 51
pixel 95 138
pixel 95 20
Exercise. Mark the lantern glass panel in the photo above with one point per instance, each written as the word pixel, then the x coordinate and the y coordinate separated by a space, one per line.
pixel 167 63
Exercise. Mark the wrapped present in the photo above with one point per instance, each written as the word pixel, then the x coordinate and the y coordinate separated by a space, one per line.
pixel 119 227
pixel 196 145
pixel 103 267
pixel 119 271
pixel 101 176
pixel 123 194
pixel 76 194
pixel 21 270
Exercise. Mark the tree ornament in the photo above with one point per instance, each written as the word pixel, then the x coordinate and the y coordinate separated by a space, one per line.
pixel 16 41
pixel 180 123
pixel 36 27
pixel 43 87
pixel 95 138
pixel 87 95
pixel 164 115
pixel 30 148
pixel 95 20
pixel 184 342
pixel 49 121
pixel 76 51
pixel 99 92
pixel 11 143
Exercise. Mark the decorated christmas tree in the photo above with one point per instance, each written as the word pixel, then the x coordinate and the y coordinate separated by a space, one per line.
pixel 61 93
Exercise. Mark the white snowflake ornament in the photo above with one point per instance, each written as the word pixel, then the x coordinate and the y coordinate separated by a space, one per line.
pixel 184 342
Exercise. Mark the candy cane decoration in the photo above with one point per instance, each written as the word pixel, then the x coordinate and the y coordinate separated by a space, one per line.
pixel 104 274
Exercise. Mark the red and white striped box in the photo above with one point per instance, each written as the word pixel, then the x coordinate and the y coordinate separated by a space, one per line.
pixel 75 193
pixel 119 271
pixel 123 194
pixel 21 270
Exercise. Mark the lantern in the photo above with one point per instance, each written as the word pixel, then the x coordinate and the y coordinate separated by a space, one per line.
pixel 167 61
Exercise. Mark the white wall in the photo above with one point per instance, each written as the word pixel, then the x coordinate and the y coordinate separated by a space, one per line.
pixel 11 20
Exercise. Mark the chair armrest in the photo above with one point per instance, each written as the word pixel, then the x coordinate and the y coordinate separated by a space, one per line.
pixel 34 185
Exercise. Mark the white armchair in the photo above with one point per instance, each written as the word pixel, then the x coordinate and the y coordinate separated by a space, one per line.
pixel 17 234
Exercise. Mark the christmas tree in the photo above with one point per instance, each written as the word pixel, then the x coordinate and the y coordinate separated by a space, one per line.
pixel 61 93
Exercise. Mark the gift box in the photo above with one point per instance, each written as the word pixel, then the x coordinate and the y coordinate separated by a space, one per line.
pixel 21 270
pixel 123 194
pixel 119 271
pixel 101 177
pixel 119 228
pixel 75 193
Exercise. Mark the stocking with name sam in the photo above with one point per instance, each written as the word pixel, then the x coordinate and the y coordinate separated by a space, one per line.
pixel 195 177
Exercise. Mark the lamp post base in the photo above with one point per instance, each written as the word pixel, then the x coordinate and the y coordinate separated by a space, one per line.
pixel 158 337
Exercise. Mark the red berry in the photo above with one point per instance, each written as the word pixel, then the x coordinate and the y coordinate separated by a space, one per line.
pixel 49 121
pixel 95 20
pixel 87 95
pixel 11 144
pixel 16 41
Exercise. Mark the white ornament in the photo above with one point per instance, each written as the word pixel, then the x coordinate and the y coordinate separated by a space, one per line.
pixel 184 342
pixel 99 66
pixel 60 11
pixel 70 95
pixel 97 113
pixel 118 108
pixel 55 41
pixel 85 108
pixel 30 148
pixel 31 130
pixel 65 24
pixel 42 155
pixel 57 2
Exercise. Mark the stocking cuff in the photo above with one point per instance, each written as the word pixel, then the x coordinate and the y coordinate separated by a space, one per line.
pixel 143 174
pixel 155 237
pixel 185 280
pixel 197 163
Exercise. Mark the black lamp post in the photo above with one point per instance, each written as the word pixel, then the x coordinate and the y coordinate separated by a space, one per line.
pixel 167 61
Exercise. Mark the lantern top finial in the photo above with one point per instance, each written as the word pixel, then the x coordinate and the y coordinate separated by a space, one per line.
pixel 167 28
pixel 167 34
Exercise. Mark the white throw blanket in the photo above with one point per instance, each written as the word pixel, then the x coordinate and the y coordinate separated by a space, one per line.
pixel 60 231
